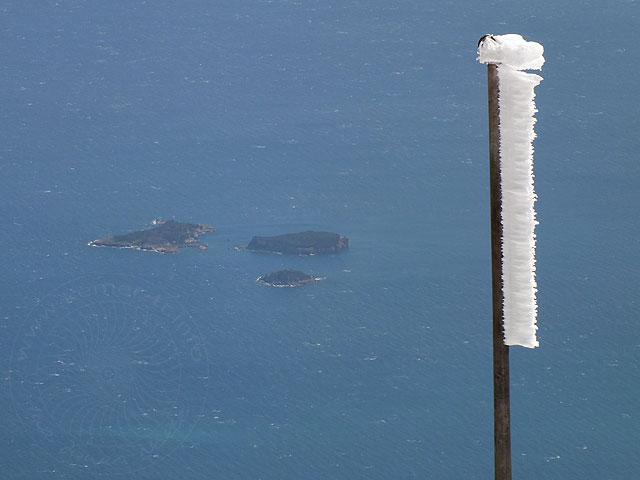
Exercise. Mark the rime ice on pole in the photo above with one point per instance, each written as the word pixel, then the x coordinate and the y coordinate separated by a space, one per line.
pixel 512 54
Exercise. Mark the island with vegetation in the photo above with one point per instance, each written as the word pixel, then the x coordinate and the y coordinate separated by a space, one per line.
pixel 165 237
pixel 287 278
pixel 303 243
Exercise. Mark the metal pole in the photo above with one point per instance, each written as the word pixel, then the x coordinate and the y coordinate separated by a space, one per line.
pixel 501 407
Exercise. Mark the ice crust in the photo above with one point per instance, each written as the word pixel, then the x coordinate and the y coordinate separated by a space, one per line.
pixel 517 119
pixel 512 50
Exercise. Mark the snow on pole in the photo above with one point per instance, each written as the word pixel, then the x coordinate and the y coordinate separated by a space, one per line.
pixel 512 54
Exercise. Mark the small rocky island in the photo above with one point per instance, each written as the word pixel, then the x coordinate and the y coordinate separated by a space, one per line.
pixel 287 278
pixel 303 243
pixel 166 237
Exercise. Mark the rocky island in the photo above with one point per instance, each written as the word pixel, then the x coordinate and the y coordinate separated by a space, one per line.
pixel 303 243
pixel 166 237
pixel 287 278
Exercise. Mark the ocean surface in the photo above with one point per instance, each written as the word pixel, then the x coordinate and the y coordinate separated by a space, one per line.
pixel 366 118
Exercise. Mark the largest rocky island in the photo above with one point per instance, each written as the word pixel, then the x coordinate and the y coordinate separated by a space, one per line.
pixel 166 237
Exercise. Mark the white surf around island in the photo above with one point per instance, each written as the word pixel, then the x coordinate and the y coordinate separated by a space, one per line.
pixel 123 247
pixel 261 281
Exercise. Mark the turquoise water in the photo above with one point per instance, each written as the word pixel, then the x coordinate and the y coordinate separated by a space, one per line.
pixel 363 118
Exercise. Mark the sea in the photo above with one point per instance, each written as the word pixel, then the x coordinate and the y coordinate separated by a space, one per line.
pixel 366 118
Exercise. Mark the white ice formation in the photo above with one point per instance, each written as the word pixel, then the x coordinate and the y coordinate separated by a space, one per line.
pixel 512 54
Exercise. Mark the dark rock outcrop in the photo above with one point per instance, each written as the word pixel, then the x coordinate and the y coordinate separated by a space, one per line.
pixel 303 243
pixel 287 278
pixel 167 237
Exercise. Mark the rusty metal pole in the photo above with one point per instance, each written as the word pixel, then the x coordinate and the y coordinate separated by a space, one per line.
pixel 501 398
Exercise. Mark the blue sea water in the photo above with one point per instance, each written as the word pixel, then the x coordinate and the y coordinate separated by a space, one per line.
pixel 265 117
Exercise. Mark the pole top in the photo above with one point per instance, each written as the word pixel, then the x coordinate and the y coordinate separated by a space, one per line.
pixel 484 37
pixel 511 50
